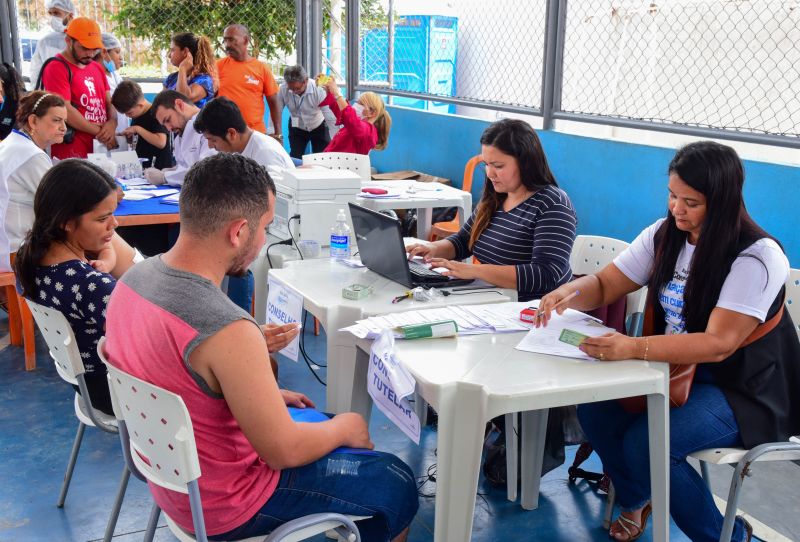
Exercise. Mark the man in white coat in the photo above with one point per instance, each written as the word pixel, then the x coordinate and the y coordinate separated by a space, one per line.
pixel 223 126
pixel 177 114
pixel 61 12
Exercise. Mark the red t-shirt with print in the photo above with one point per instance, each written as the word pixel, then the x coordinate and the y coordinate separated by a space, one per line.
pixel 87 94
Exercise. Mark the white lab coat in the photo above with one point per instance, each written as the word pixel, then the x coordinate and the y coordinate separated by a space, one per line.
pixel 47 47
pixel 188 148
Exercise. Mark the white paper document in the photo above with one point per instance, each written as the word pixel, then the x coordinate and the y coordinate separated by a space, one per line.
pixel 389 384
pixel 285 306
pixel 471 320
pixel 545 340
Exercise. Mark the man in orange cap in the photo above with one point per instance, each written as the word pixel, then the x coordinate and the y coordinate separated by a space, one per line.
pixel 82 83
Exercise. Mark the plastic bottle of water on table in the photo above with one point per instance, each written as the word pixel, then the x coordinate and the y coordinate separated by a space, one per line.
pixel 340 237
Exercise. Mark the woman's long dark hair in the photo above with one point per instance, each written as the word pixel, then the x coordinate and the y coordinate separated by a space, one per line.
pixel 69 189
pixel 515 138
pixel 715 171
pixel 13 87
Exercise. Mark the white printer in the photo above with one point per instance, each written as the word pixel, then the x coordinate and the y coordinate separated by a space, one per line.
pixel 316 194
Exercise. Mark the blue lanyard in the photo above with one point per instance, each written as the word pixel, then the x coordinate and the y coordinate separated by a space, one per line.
pixel 294 98
pixel 23 134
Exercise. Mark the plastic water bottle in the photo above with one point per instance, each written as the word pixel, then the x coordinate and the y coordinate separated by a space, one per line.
pixel 340 237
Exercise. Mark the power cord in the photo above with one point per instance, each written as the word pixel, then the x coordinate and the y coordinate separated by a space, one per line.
pixel 306 358
pixel 291 235
pixel 283 242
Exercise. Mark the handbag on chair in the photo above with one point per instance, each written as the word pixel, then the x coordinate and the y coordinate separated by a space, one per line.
pixel 681 376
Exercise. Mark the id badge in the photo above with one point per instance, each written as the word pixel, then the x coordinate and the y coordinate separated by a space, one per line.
pixel 295 122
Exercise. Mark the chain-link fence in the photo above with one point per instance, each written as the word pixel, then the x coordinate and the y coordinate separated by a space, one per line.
pixel 473 50
pixel 146 26
pixel 724 64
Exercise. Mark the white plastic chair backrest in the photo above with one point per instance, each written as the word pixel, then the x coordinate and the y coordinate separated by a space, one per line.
pixel 60 340
pixel 159 427
pixel 357 163
pixel 793 297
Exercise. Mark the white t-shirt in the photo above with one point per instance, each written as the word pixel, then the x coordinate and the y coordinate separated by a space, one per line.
pixel 267 151
pixel 750 287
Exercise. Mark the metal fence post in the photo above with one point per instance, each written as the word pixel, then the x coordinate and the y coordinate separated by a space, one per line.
pixel 353 46
pixel 301 32
pixel 553 59
pixel 315 34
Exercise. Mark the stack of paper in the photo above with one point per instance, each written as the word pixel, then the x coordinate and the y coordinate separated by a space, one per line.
pixel 471 320
pixel 172 200
pixel 139 194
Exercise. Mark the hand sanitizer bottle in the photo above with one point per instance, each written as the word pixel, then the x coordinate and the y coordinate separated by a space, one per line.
pixel 340 237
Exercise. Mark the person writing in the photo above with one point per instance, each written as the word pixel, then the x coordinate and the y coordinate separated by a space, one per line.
pixel 365 124
pixel 170 324
pixel 716 293
pixel 523 227
pixel 196 77
pixel 41 121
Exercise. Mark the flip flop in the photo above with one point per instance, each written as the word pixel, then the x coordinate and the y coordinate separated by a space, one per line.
pixel 624 522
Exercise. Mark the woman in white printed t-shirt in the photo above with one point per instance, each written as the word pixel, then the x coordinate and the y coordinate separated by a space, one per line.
pixel 716 291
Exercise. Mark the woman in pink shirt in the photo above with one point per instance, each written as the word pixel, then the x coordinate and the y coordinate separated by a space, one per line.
pixel 365 124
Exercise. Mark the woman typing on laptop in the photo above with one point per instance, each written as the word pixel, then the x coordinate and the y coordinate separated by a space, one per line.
pixel 522 233
pixel 524 225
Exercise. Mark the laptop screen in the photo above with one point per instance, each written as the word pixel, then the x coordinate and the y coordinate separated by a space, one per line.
pixel 380 244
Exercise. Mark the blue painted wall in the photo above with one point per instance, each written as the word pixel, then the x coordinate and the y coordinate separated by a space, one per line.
pixel 617 188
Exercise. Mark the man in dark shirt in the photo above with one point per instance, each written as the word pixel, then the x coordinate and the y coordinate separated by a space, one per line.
pixel 151 139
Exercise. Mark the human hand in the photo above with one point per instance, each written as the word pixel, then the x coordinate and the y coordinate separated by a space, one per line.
pixel 354 430
pixel 130 131
pixel 120 194
pixel 425 250
pixel 187 64
pixel 610 347
pixel 107 135
pixel 154 176
pixel 103 266
pixel 459 270
pixel 277 137
pixel 547 304
pixel 296 399
pixel 278 337
pixel 331 85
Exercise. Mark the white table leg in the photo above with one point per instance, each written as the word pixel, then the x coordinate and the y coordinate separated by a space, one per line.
pixel 512 457
pixel 347 381
pixel 658 429
pixel 462 414
pixel 424 219
pixel 534 433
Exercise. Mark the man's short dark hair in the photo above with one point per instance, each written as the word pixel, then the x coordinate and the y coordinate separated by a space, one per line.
pixel 166 99
pixel 127 95
pixel 222 188
pixel 217 116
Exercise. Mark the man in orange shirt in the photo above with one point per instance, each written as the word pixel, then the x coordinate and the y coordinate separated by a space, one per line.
pixel 245 80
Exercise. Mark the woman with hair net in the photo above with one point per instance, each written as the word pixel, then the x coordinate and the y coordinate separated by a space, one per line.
pixel 61 12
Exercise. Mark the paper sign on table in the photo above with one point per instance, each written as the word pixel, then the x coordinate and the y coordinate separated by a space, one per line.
pixel 389 383
pixel 285 306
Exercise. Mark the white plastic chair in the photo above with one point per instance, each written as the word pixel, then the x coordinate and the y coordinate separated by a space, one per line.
pixel 590 254
pixel 155 424
pixel 63 349
pixel 357 163
pixel 740 458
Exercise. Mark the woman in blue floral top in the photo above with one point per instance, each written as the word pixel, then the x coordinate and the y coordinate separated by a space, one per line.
pixel 70 258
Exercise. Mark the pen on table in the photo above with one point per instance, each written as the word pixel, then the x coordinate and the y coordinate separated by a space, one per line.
pixel 399 298
pixel 465 288
pixel 570 297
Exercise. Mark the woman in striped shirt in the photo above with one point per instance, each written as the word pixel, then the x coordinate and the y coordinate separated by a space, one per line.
pixel 523 228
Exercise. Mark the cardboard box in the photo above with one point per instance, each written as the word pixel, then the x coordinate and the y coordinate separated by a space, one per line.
pixel 409 174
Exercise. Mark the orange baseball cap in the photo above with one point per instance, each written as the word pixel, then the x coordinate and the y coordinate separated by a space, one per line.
pixel 86 31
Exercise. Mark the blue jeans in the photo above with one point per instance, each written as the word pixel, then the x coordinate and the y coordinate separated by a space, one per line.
pixel 620 439
pixel 373 484
pixel 241 290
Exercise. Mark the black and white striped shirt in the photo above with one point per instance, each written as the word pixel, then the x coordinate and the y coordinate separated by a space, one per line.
pixel 536 236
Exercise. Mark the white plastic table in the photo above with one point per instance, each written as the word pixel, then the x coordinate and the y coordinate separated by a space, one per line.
pixel 320 282
pixel 472 379
pixel 424 197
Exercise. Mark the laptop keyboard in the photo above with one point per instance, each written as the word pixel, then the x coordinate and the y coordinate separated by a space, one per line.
pixel 425 274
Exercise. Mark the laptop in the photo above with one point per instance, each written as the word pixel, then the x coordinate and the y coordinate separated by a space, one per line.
pixel 380 245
